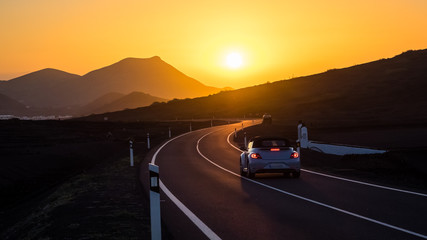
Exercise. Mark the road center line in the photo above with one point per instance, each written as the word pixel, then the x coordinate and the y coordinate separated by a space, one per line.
pixel 307 199
pixel 345 179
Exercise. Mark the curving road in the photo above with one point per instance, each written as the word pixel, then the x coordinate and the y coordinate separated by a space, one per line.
pixel 203 197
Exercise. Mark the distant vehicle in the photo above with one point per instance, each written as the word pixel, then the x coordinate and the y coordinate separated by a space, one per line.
pixel 266 119
pixel 269 155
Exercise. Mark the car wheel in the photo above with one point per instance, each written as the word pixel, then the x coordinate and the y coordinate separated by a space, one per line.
pixel 241 169
pixel 249 174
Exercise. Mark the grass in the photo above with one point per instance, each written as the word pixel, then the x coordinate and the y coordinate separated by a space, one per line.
pixel 104 203
pixel 91 192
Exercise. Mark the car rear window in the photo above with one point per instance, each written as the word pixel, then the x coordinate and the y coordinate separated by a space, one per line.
pixel 271 143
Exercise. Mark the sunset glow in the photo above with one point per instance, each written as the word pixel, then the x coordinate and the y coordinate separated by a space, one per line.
pixel 275 39
pixel 234 60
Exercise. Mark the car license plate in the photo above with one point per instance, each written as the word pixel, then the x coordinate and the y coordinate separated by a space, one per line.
pixel 277 165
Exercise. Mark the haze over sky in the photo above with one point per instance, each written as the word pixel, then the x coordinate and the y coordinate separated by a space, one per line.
pixel 272 40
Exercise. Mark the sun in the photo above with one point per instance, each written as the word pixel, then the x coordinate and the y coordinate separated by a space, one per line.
pixel 234 60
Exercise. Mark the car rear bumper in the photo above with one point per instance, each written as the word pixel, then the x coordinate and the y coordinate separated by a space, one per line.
pixel 289 170
pixel 260 166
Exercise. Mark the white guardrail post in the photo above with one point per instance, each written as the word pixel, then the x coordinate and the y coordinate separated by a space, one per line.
pixel 330 148
pixel 304 137
pixel 148 141
pixel 131 152
pixel 156 227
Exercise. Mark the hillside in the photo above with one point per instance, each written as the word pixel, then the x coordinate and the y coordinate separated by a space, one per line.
pixel 8 106
pixel 99 103
pixel 387 91
pixel 51 91
pixel 115 102
pixel 151 75
pixel 37 89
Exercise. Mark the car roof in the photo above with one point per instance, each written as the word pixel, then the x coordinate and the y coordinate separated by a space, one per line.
pixel 258 141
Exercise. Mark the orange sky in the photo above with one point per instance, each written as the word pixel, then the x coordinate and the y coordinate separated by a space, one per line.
pixel 277 39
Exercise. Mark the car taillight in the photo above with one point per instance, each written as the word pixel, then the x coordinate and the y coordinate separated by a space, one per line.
pixel 275 149
pixel 255 156
pixel 294 155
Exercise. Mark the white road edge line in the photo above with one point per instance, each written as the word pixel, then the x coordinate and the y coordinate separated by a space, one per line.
pixel 365 183
pixel 345 179
pixel 307 199
pixel 201 225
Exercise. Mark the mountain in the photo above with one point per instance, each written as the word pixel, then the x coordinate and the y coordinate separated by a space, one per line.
pixel 100 102
pixel 150 75
pixel 37 89
pixel 8 106
pixel 115 101
pixel 51 91
pixel 380 92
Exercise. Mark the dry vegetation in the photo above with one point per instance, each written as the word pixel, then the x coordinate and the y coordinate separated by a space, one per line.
pixel 72 180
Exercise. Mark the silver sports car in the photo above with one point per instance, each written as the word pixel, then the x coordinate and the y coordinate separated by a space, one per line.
pixel 269 155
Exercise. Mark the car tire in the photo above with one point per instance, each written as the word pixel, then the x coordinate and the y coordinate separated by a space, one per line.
pixel 241 169
pixel 249 174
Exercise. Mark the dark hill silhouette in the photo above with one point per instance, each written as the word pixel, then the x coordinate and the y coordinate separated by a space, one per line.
pixel 149 75
pixel 99 103
pixel 386 91
pixel 37 89
pixel 120 102
pixel 51 91
pixel 8 106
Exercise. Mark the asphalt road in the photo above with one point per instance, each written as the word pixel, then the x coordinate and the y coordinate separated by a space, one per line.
pixel 203 197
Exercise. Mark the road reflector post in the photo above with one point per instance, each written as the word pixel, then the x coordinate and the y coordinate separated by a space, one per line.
pixel 246 142
pixel 242 126
pixel 148 141
pixel 235 133
pixel 304 137
pixel 156 228
pixel 131 152
pixel 170 134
